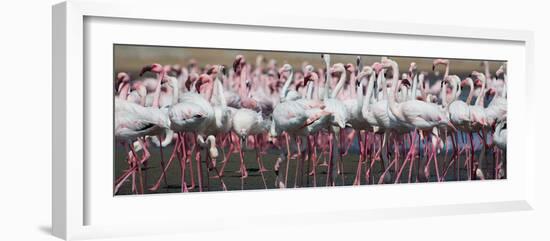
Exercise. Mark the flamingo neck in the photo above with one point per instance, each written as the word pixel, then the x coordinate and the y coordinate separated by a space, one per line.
pixel 504 87
pixel 353 83
pixel 327 80
pixel 471 93
pixel 479 100
pixel 368 95
pixel 339 85
pixel 391 100
pixel 454 91
pixel 242 86
pixel 414 86
pixel 156 100
pixel 359 96
pixel 175 90
pixel 123 93
pixel 287 84
pixel 309 92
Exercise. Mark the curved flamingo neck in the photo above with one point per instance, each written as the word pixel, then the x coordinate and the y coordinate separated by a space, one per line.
pixel 353 82
pixel 287 84
pixel 123 92
pixel 218 88
pixel 454 91
pixel 339 85
pixel 479 100
pixel 471 91
pixel 366 99
pixel 392 104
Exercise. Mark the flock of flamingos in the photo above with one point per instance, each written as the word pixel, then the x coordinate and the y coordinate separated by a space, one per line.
pixel 400 121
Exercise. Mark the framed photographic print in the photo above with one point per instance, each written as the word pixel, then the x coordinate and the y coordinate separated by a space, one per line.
pixel 159 116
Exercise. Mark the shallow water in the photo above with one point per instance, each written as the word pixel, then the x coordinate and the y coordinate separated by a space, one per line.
pixel 232 178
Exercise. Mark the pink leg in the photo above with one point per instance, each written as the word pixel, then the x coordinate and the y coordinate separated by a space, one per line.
pixel 172 156
pixel 408 158
pixel 357 180
pixel 287 158
pixel 330 178
pixel 260 163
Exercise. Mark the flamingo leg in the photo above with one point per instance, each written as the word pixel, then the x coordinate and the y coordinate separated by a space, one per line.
pixel 408 158
pixel 341 147
pixel 162 160
pixel 471 174
pixel 357 180
pixel 229 152
pixel 287 138
pixel 299 160
pixel 242 168
pixel 188 157
pixel 259 162
pixel 138 168
pixel 330 178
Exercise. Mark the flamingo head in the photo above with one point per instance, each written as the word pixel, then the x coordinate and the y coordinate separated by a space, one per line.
pixel 190 80
pixel 337 69
pixel 285 69
pixel 437 62
pixel 350 67
pixel 467 82
pixel 491 91
pixel 377 67
pixel 122 79
pixel 212 70
pixel 500 71
pixel 326 58
pixel 203 82
pixel 239 63
pixel 155 68
pixel 310 76
pixel 412 69
pixel 308 68
pixel 177 69
pixel 365 72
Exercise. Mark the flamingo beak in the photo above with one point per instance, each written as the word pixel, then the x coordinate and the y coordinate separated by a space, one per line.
pixel 145 69
pixel 236 64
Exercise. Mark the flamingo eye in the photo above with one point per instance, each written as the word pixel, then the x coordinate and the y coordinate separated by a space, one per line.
pixel 198 116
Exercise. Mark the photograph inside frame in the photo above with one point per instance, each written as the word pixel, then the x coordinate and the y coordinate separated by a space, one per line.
pixel 192 119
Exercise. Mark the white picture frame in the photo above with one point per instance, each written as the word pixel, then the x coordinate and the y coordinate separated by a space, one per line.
pixel 72 192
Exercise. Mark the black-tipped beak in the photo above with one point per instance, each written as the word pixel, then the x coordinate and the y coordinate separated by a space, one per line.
pixel 145 69
pixel 209 71
pixel 235 65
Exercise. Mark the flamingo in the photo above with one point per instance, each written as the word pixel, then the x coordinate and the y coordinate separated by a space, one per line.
pixel 133 121
pixel 193 113
pixel 339 114
pixel 416 114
